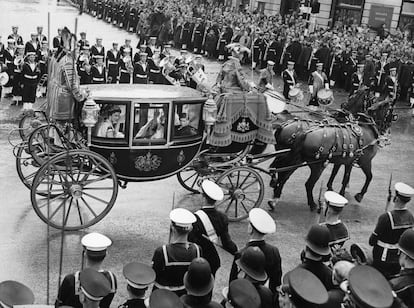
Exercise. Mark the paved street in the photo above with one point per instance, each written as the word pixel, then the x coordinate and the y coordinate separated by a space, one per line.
pixel 138 223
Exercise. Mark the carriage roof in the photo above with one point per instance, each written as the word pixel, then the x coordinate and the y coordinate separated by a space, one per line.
pixel 134 91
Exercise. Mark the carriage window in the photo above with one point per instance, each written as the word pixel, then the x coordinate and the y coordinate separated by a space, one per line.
pixel 186 120
pixel 111 121
pixel 150 123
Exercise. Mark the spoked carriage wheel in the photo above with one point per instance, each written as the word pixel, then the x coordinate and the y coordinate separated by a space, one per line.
pixel 30 122
pixel 26 166
pixel 189 178
pixel 243 189
pixel 80 186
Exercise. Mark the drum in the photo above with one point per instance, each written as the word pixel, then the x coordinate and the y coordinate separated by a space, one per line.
pixel 325 97
pixel 296 94
pixel 275 101
pixel 4 78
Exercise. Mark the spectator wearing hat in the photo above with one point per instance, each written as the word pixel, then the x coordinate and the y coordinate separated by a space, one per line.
pixel 170 262
pixel 139 278
pixel 241 293
pixel 98 70
pixel 112 63
pixel 367 288
pixel 317 81
pixel 350 67
pixel 199 283
pixel 16 36
pixel 30 79
pixel 302 289
pixel 251 263
pixel 32 45
pixel 388 230
pixel 83 41
pixel 266 77
pixel 141 69
pixel 390 88
pixel 289 78
pixel 164 299
pixel 316 253
pixel 94 287
pixel 212 226
pixel 357 79
pixel 14 293
pixel 338 231
pixel 261 223
pixel 97 50
pixel 95 248
pixel 403 283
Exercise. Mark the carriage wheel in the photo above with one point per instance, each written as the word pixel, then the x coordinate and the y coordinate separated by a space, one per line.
pixel 189 178
pixel 30 122
pixel 243 190
pixel 26 166
pixel 80 186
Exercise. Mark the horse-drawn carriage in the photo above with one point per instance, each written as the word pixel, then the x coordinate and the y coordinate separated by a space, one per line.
pixel 142 133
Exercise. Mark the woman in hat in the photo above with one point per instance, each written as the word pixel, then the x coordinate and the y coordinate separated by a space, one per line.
pixel 109 128
pixel 30 79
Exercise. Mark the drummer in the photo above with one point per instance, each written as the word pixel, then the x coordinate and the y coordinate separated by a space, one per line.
pixel 317 81
pixel 231 78
pixel 289 78
pixel 266 77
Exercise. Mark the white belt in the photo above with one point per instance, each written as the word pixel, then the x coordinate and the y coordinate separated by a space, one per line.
pixel 141 76
pixel 97 79
pixel 42 61
pixel 171 288
pixel 124 71
pixel 111 62
pixel 155 71
pixel 30 76
pixel 17 71
pixel 386 246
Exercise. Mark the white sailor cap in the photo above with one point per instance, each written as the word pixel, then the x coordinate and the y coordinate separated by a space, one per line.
pixel 335 200
pixel 262 221
pixel 11 41
pixel 143 54
pixel 33 34
pixel 20 46
pixel 404 190
pixel 30 53
pixel 212 190
pixel 99 57
pixel 291 62
pixel 127 49
pixel 153 37
pixel 393 69
pixel 96 242
pixel 182 218
pixel 270 62
pixel 319 64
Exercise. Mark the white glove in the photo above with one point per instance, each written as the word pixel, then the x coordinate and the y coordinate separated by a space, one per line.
pixel 311 89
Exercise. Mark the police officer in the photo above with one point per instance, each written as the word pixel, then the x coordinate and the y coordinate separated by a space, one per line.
pixel 251 263
pixel 261 223
pixel 338 231
pixel 164 299
pixel 212 225
pixel 199 283
pixel 241 293
pixel 367 288
pixel 95 248
pixel 316 253
pixel 388 230
pixel 357 79
pixel 403 284
pixel 302 289
pixel 171 261
pixel 289 78
pixel 13 293
pixel 139 277
pixel 93 287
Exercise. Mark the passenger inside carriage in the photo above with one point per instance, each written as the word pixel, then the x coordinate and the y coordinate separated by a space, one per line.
pixel 109 125
pixel 154 128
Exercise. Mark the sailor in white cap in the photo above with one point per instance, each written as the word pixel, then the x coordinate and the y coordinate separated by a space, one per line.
pixel 95 247
pixel 289 78
pixel 141 69
pixel 261 223
pixel 98 70
pixel 32 45
pixel 317 81
pixel 388 230
pixel 338 231
pixel 171 261
pixel 139 278
pixel 97 50
pixel 17 38
pixel 212 226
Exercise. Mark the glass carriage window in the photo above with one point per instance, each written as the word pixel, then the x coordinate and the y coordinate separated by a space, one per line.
pixel 111 121
pixel 150 123
pixel 186 120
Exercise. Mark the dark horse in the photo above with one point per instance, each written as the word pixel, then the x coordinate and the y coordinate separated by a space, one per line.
pixel 320 143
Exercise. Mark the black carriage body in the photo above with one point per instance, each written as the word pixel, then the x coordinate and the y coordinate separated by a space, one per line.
pixel 150 143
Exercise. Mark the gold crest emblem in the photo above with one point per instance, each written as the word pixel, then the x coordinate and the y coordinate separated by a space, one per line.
pixel 147 162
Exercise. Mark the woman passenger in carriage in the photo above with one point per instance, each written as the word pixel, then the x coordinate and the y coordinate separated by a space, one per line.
pixel 109 128
pixel 231 78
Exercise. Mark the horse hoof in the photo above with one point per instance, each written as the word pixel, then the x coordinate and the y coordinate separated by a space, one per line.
pixel 358 197
pixel 312 207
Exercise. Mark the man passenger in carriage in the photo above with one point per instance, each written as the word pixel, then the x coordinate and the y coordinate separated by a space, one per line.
pixel 231 78
pixel 109 128
pixel 185 129
pixel 317 81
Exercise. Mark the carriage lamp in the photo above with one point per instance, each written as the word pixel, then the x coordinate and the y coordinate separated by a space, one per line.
pixel 209 115
pixel 90 113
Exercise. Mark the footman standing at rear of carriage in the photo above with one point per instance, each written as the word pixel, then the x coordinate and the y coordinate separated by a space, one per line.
pixel 212 225
pixel 388 230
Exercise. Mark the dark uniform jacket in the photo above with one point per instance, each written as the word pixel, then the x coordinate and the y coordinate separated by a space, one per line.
pixel 124 75
pixel 369 73
pixel 390 87
pixel 29 47
pixel 170 262
pixel 289 80
pixel 403 286
pixel 320 270
pixel 273 263
pixel 69 291
pixel 198 35
pixel 271 52
pixel 84 76
pixel 356 81
pixel 17 38
pixel 97 51
pixel 266 296
pixel 98 77
pixel 191 301
pixel 220 223
pixel 112 64
pixel 140 74
pixel 134 303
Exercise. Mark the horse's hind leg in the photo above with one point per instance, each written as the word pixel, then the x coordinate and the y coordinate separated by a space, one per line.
pixel 333 175
pixel 316 171
pixel 281 180
pixel 366 168
pixel 345 180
